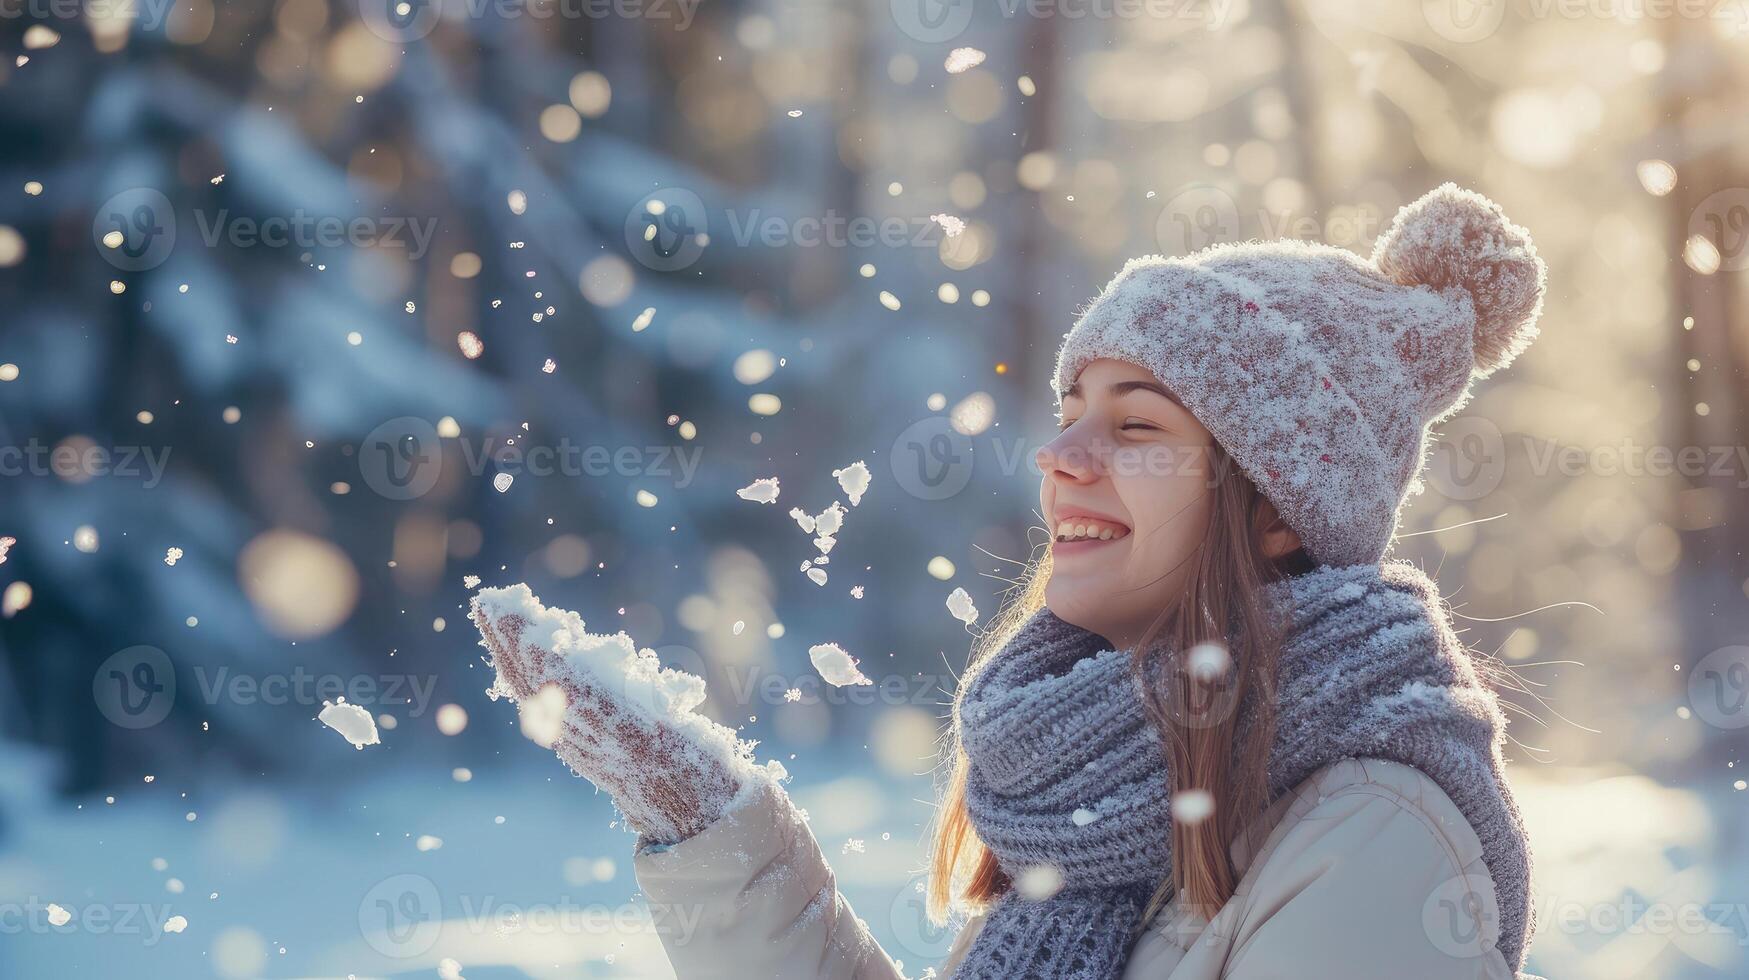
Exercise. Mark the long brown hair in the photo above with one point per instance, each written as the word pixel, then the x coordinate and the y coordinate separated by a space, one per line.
pixel 1195 712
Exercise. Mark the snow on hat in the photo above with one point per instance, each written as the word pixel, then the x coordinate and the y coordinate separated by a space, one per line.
pixel 1318 371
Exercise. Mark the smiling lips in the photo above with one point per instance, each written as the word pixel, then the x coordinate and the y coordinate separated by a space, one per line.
pixel 1080 528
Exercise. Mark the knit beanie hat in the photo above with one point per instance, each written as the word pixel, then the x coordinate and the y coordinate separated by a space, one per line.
pixel 1319 372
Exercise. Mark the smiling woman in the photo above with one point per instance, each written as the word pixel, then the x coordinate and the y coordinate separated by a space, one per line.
pixel 1216 734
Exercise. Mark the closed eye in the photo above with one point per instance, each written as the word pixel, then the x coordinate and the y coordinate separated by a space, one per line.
pixel 1138 424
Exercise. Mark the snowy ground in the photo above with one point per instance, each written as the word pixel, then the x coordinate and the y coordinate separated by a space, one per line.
pixel 328 880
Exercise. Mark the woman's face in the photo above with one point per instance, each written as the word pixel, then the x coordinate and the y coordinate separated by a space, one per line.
pixel 1126 494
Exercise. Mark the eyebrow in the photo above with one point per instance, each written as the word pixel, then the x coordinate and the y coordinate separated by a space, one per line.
pixel 1118 389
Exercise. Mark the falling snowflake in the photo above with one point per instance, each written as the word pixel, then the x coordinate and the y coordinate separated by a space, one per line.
pixel 762 491
pixel 950 224
pixel 172 556
pixel 836 667
pixel 963 59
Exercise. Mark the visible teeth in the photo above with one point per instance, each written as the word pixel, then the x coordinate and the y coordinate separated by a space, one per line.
pixel 1071 531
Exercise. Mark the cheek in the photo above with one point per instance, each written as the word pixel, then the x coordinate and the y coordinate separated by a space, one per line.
pixel 1170 513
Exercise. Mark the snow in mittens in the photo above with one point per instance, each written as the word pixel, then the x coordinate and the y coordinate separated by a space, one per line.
pixel 554 651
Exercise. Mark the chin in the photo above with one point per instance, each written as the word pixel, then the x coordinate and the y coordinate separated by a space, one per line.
pixel 1079 606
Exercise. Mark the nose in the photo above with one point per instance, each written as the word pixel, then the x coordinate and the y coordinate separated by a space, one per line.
pixel 1069 458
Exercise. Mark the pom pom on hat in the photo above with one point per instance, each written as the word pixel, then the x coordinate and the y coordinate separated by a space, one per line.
pixel 1453 237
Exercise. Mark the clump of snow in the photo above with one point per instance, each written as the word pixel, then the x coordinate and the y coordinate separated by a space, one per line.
pixel 960 604
pixel 502 481
pixel 613 658
pixel 470 582
pixel 763 491
pixel 828 521
pixel 963 59
pixel 351 721
pixel 951 225
pixel 426 842
pixel 172 556
pixel 5 546
pixel 175 923
pixel 836 667
pixel 541 646
pixel 803 519
pixel 1083 816
pixel 817 576
pixel 449 969
pixel 853 480
pixel 59 916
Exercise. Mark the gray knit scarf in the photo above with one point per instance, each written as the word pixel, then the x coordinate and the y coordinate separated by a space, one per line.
pixel 1067 771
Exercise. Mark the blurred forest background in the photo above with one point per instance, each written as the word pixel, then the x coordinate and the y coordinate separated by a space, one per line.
pixel 704 232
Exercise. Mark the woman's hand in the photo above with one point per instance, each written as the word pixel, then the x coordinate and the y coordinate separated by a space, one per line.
pixel 670 776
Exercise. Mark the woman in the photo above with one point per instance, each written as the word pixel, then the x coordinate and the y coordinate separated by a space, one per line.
pixel 1219 734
